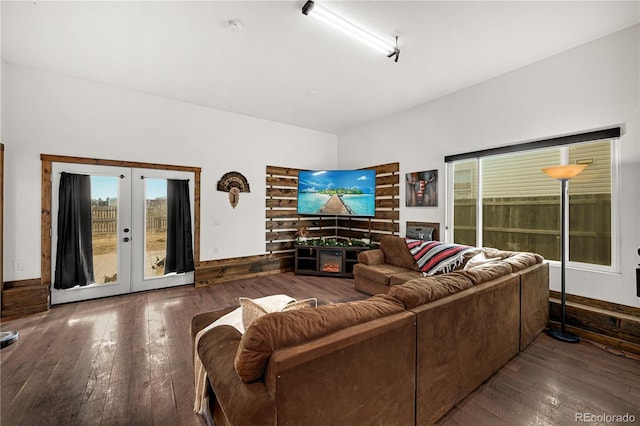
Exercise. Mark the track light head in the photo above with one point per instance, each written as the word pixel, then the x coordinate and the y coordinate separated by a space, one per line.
pixel 308 7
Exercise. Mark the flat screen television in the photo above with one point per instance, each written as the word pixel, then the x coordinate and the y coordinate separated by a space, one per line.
pixel 337 192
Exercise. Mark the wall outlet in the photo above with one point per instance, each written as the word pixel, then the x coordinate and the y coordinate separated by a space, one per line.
pixel 17 265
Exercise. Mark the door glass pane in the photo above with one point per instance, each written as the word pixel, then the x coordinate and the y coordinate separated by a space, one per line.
pixel 520 203
pixel 104 224
pixel 155 227
pixel 464 202
pixel 590 204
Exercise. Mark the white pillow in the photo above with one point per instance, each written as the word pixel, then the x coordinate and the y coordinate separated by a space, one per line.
pixel 234 318
pixel 253 309
pixel 477 260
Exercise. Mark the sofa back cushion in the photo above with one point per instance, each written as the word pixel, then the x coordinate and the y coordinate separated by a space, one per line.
pixel 396 252
pixel 424 290
pixel 285 329
pixel 522 260
pixel 487 271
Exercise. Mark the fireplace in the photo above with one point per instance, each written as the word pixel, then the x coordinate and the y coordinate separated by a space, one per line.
pixel 330 261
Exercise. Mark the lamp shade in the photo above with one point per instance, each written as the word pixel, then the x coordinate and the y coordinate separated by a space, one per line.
pixel 564 172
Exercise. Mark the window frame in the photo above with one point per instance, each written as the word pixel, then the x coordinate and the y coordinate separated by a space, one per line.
pixel 477 156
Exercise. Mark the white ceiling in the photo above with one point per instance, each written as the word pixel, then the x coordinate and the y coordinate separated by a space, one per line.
pixel 287 67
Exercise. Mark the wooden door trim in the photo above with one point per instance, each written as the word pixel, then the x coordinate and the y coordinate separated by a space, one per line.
pixel 45 213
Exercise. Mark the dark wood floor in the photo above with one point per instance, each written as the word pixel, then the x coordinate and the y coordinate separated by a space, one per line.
pixel 126 360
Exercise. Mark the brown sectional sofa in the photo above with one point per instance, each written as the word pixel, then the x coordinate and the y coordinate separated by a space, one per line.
pixel 401 358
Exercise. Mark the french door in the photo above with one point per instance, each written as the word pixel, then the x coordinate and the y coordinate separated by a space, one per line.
pixel 129 230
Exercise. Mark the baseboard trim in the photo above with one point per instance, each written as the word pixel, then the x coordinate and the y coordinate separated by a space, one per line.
pixel 24 297
pixel 22 283
pixel 219 271
pixel 610 324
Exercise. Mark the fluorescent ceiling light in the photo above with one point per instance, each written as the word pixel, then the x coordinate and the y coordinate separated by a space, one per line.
pixel 328 17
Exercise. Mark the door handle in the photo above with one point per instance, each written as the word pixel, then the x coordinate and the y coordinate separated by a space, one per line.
pixel 125 239
pixel 126 230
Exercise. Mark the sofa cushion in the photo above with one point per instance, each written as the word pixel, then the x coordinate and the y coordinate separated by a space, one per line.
pixel 396 252
pixel 371 257
pixel 253 309
pixel 426 289
pixel 478 259
pixel 522 260
pixel 377 273
pixel 285 329
pixel 404 277
pixel 487 271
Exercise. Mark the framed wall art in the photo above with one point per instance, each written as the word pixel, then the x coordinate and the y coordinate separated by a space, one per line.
pixel 421 189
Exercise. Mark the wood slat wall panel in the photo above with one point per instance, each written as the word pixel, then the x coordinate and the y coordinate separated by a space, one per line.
pixel 281 213
pixel 386 180
pixel 282 192
pixel 388 191
pixel 390 168
pixel 290 234
pixel 281 202
pixel 295 224
pixel 283 171
pixel 373 226
pixel 282 181
pixel 283 221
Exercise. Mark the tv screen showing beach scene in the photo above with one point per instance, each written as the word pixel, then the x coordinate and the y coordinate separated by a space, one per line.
pixel 337 192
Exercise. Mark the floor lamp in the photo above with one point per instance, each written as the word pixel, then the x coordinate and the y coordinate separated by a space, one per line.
pixel 563 174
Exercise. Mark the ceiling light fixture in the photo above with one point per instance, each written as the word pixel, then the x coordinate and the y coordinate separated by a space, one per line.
pixel 328 17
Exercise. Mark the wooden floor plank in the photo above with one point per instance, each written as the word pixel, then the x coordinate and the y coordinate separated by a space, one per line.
pixel 127 360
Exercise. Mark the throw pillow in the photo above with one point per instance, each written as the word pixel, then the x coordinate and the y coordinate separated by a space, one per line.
pixel 254 309
pixel 300 304
pixel 250 311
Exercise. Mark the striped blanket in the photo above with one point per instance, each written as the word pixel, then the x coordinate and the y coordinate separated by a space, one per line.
pixel 435 257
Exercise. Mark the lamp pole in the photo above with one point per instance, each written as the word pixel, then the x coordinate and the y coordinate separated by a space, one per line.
pixel 563 174
pixel 567 337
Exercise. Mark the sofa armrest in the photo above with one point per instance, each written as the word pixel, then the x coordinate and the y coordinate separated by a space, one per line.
pixel 371 257
pixel 241 403
pixel 367 369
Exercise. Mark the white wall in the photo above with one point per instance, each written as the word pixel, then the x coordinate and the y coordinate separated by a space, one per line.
pixel 593 86
pixel 45 113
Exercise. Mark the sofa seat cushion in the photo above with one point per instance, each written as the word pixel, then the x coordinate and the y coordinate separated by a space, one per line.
pixel 380 274
pixel 404 277
pixel 286 329
pixel 426 289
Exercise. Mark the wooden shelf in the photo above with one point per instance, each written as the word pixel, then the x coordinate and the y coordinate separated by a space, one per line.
pixel 326 260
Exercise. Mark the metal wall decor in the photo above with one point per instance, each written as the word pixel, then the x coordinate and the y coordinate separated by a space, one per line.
pixel 234 183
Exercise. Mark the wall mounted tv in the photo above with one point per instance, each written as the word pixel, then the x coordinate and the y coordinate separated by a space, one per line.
pixel 337 192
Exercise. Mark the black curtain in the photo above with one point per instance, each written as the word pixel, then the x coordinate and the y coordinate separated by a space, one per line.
pixel 179 241
pixel 74 255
